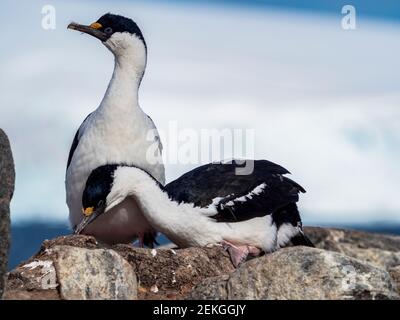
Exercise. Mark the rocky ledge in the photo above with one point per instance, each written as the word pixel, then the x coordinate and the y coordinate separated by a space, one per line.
pixel 345 265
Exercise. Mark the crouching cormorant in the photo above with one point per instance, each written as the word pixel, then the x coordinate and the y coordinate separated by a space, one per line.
pixel 248 214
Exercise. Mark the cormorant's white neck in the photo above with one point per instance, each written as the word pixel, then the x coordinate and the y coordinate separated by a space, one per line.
pixel 183 223
pixel 130 58
pixel 165 215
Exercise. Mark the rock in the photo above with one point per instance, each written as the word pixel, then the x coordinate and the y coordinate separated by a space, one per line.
pixel 78 267
pixel 300 273
pixel 35 280
pixel 86 269
pixel 378 249
pixel 71 273
pixel 94 274
pixel 395 273
pixel 174 272
pixel 7 177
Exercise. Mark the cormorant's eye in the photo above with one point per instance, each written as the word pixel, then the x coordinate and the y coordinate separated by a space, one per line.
pixel 108 30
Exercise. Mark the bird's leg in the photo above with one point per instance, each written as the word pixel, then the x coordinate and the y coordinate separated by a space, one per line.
pixel 141 240
pixel 239 254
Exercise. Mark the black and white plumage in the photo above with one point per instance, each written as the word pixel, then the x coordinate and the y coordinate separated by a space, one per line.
pixel 208 205
pixel 203 184
pixel 118 131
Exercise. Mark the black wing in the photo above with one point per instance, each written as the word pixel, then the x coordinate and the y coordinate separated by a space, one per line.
pixel 243 195
pixel 75 142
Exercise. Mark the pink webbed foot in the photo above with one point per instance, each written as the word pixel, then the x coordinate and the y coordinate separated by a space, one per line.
pixel 239 254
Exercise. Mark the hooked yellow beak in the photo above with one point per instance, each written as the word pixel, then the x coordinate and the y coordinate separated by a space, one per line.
pixel 88 211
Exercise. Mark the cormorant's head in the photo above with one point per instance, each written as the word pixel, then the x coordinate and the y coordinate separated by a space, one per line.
pixel 95 198
pixel 106 187
pixel 120 34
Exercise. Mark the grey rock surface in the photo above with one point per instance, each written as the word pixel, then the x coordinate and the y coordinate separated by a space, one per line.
pixel 98 274
pixel 7 178
pixel 381 250
pixel 395 273
pixel 78 267
pixel 73 273
pixel 299 273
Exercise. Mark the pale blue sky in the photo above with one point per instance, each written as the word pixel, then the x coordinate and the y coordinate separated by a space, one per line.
pixel 324 102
